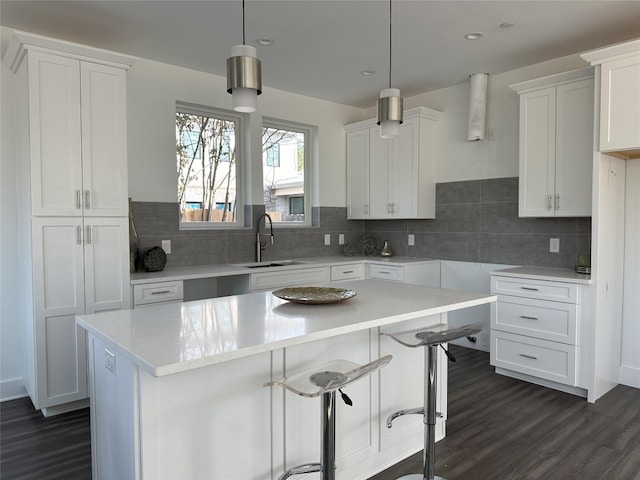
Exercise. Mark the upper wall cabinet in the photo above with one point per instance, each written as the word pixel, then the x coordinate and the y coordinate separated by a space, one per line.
pixel 556 145
pixel 619 67
pixel 392 178
pixel 76 124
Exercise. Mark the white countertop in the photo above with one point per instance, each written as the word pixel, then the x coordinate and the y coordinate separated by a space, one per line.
pixel 177 337
pixel 225 270
pixel 545 273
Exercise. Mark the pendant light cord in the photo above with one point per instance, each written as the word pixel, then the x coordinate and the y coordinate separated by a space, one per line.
pixel 390 36
pixel 243 36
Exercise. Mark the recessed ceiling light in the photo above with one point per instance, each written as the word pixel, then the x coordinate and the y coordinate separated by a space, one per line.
pixel 265 41
pixel 368 73
pixel 474 35
pixel 507 24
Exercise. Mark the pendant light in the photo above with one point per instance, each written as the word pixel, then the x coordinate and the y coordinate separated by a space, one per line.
pixel 389 103
pixel 244 78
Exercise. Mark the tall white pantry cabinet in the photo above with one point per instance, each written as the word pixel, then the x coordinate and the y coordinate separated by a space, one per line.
pixel 71 155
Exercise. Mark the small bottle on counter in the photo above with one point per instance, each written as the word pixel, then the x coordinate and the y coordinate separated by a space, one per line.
pixel 386 251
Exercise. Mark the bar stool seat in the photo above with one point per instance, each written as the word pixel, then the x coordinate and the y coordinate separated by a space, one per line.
pixel 430 337
pixel 324 380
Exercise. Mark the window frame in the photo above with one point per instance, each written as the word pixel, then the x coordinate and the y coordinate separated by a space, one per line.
pixel 241 135
pixel 310 153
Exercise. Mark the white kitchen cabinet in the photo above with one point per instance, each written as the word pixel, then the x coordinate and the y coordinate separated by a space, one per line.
pixel 348 271
pixel 157 292
pixel 289 277
pixel 392 178
pixel 535 331
pixel 77 267
pixel 427 274
pixel 556 145
pixel 619 67
pixel 77 130
pixel 71 159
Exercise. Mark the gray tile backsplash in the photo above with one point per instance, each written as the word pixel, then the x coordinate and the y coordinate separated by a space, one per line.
pixel 476 221
pixel 157 221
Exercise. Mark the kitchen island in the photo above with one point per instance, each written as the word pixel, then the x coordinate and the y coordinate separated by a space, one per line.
pixel 176 389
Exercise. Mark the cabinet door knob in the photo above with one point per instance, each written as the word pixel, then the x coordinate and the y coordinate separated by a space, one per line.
pixel 87 199
pixel 79 234
pixel 89 234
pixel 557 201
pixel 549 202
pixel 78 199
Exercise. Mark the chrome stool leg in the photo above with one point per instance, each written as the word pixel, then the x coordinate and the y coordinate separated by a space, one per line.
pixel 431 339
pixel 324 381
pixel 328 449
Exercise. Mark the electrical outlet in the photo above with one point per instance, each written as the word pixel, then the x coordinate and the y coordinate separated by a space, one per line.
pixel 554 245
pixel 412 239
pixel 166 246
pixel 110 361
pixel 341 239
pixel 327 239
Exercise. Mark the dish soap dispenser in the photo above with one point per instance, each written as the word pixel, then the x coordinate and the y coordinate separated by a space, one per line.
pixel 386 251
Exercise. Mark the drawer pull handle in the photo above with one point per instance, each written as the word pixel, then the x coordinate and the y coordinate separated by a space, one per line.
pixel 526 317
pixel 530 289
pixel 347 271
pixel 528 356
pixel 160 292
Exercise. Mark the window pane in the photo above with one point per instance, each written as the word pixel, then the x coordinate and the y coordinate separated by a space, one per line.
pixel 283 159
pixel 206 165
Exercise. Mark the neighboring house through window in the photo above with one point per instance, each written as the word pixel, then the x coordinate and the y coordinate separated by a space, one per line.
pixel 285 169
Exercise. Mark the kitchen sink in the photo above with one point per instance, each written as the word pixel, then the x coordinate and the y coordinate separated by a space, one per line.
pixel 283 263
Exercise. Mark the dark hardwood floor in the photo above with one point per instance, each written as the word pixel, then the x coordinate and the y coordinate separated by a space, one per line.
pixel 34 447
pixel 498 429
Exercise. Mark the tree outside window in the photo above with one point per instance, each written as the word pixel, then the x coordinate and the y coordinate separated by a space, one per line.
pixel 206 163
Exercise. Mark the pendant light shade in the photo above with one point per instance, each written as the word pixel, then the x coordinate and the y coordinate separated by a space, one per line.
pixel 389 112
pixel 244 76
pixel 390 102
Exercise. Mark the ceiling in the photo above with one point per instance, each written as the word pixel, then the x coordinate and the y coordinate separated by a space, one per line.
pixel 321 47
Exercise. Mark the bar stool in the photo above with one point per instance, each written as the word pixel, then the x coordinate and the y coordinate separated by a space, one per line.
pixel 431 338
pixel 325 380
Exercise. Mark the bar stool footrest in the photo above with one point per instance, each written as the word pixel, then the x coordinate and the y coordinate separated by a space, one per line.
pixel 301 469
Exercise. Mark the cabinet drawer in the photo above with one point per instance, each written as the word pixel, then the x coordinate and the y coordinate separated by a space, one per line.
pixel 157 292
pixel 386 272
pixel 540 289
pixel 287 278
pixel 539 358
pixel 536 318
pixel 350 271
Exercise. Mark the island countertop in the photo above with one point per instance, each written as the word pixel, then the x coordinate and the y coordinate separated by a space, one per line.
pixel 176 337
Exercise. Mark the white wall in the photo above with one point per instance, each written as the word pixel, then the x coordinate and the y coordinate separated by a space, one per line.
pixel 10 344
pixel 152 91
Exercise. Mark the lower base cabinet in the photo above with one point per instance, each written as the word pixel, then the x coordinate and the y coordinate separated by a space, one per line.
pixel 540 332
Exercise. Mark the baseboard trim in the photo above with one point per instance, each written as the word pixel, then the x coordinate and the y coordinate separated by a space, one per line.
pixel 12 389
pixel 630 376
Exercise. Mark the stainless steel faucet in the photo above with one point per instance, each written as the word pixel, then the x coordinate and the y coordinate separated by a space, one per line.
pixel 260 245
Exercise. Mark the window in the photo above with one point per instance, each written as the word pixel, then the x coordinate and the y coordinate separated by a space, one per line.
pixel 207 143
pixel 296 205
pixel 273 155
pixel 285 171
